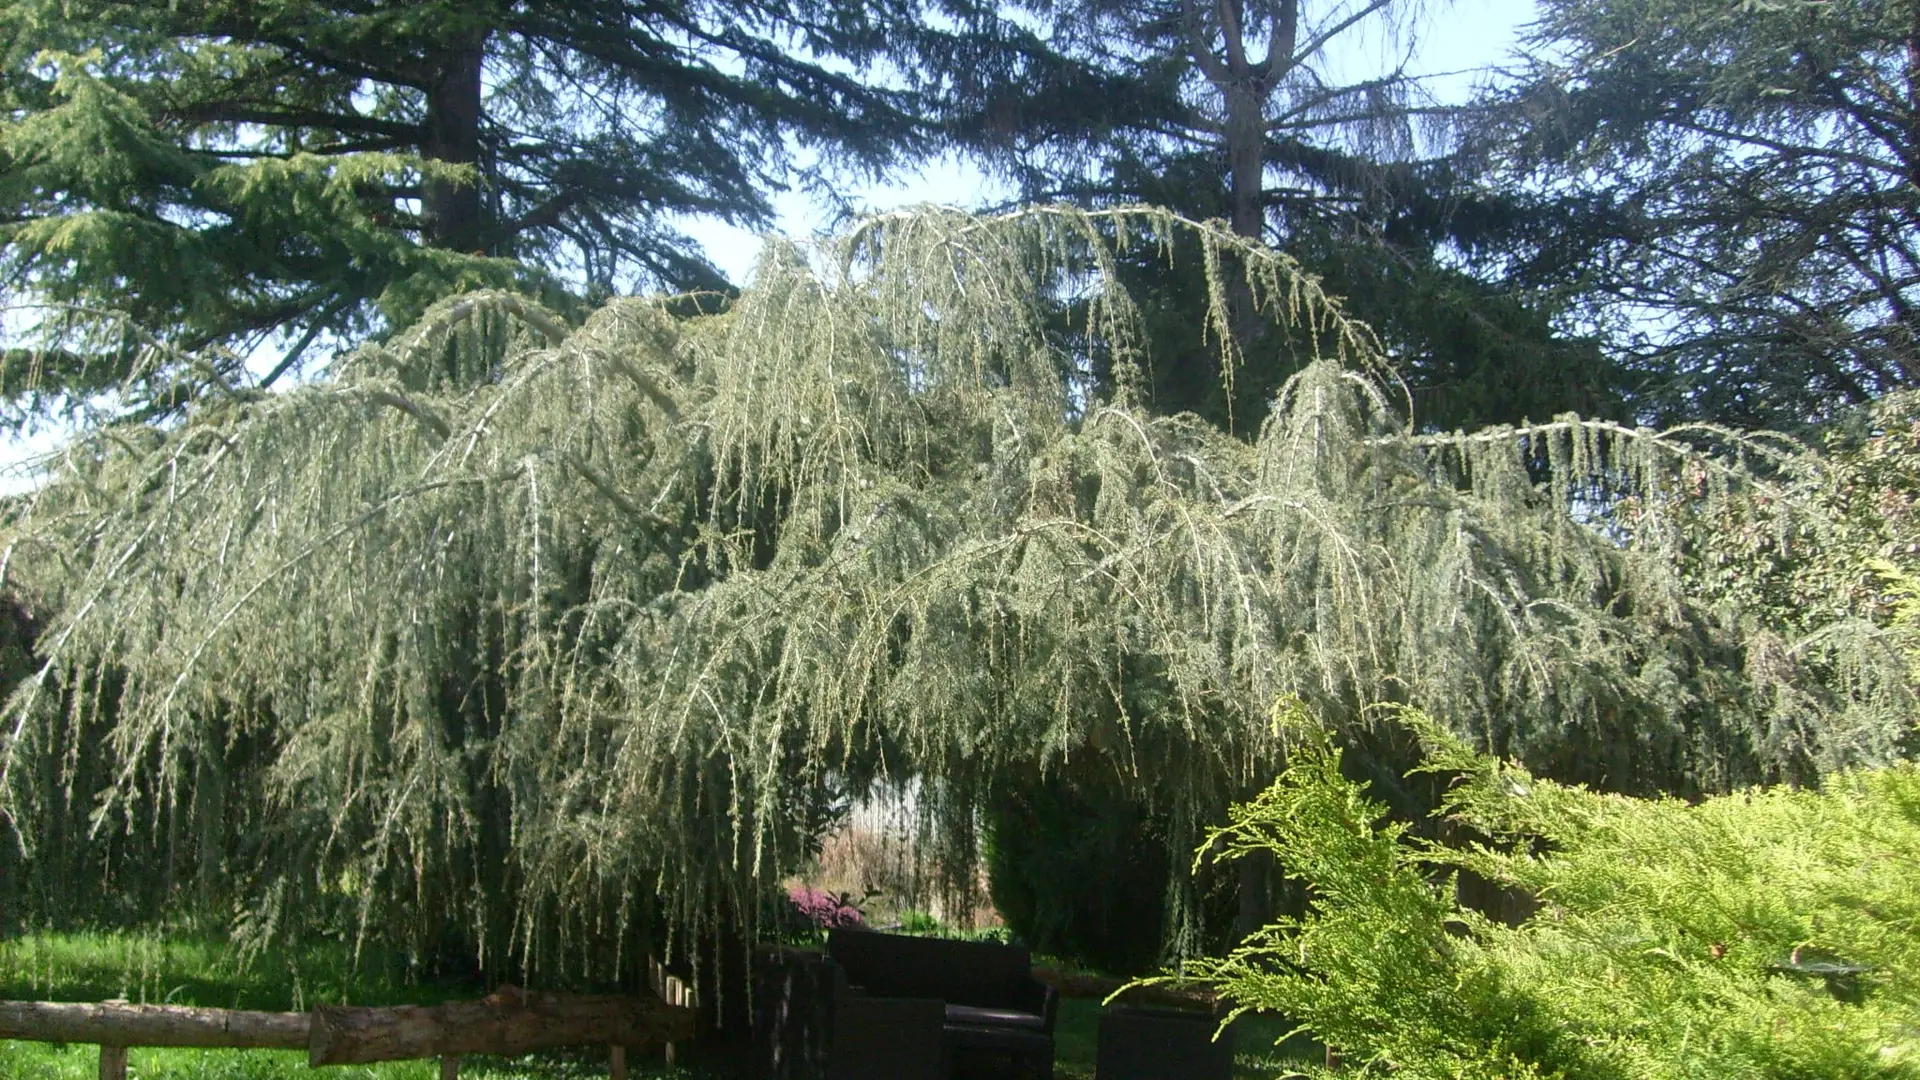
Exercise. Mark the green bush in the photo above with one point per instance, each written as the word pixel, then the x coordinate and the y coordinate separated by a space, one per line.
pixel 1078 871
pixel 919 922
pixel 1766 933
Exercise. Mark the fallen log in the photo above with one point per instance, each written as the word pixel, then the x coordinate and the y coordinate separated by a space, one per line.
pixel 506 1023
pixel 1100 987
pixel 114 1023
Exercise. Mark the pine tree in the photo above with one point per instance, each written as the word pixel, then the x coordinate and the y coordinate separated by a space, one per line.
pixel 198 177
pixel 1233 110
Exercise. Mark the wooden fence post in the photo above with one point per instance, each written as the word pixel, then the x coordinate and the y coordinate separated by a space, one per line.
pixel 113 1063
pixel 450 1067
pixel 616 1062
pixel 674 992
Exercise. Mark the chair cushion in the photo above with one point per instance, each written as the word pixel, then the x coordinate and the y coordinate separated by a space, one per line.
pixel 1034 1045
pixel 974 1016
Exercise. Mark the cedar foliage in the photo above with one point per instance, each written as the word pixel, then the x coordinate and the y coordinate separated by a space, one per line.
pixel 519 636
pixel 1725 193
pixel 299 173
pixel 1252 111
pixel 1764 933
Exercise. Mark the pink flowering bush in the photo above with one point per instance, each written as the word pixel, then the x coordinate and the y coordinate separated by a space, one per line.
pixel 824 909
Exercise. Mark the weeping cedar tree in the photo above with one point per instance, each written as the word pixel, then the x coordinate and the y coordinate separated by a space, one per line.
pixel 523 635
pixel 1242 111
pixel 1759 934
pixel 1732 196
pixel 224 175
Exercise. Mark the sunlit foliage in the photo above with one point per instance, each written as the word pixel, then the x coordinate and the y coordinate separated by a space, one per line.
pixel 1766 933
pixel 524 633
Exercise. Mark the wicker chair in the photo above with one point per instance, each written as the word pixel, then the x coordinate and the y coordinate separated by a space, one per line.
pixel 1138 1043
pixel 993 1007
pixel 809 1024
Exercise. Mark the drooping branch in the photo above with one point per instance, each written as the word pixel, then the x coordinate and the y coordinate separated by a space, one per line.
pixel 419 412
pixel 880 537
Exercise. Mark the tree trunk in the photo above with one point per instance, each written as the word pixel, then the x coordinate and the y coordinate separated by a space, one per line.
pixel 210 807
pixel 508 1023
pixel 453 210
pixel 1247 160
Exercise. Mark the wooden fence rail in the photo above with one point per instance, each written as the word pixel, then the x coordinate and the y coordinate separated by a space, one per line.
pixel 506 1023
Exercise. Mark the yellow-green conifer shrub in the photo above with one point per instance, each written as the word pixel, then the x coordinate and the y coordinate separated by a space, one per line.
pixel 1766 933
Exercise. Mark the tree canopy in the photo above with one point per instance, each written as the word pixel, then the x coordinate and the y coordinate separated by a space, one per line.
pixel 1242 111
pixel 1731 191
pixel 202 177
pixel 519 632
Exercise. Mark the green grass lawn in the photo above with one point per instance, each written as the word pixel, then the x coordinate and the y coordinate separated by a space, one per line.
pixel 150 968
pixel 155 969
pixel 35 1061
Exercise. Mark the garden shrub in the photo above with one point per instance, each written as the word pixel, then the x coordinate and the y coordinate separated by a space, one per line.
pixel 1078 871
pixel 825 910
pixel 1765 933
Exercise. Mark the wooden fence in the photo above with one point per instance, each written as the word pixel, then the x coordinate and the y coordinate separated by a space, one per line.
pixel 506 1023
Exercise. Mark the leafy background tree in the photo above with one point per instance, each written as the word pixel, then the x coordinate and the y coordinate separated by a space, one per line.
pixel 1079 870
